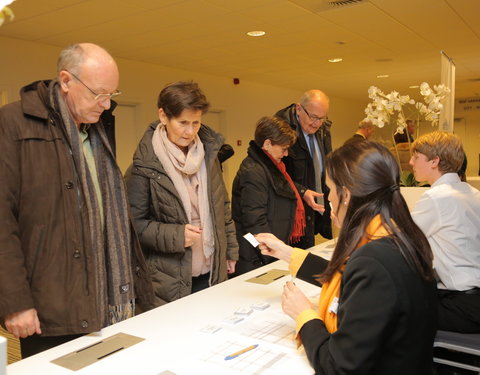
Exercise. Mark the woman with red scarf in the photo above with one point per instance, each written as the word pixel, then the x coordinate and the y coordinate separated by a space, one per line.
pixel 264 197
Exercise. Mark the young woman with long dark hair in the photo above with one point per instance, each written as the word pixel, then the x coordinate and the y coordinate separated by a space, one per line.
pixel 377 308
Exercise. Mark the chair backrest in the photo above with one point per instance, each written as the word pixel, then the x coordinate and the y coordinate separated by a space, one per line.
pixel 402 155
pixel 468 343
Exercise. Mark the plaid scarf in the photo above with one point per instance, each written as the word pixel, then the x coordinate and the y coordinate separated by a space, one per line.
pixel 111 242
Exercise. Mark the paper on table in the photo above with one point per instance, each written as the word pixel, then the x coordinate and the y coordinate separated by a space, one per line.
pixel 250 238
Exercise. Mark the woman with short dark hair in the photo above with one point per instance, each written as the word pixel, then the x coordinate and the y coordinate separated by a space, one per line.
pixel 377 308
pixel 178 199
pixel 264 197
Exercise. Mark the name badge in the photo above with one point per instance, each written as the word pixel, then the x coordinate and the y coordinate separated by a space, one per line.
pixel 333 306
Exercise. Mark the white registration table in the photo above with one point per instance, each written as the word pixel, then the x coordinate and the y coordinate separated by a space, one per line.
pixel 193 335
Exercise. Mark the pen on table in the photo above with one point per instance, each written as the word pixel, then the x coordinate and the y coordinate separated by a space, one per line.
pixel 236 354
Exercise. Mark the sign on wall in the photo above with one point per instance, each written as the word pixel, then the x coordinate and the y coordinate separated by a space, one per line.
pixel 467 104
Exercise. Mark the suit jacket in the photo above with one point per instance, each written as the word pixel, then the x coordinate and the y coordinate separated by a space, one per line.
pixel 300 167
pixel 355 138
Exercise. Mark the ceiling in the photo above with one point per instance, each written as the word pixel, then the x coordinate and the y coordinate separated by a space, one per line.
pixel 401 38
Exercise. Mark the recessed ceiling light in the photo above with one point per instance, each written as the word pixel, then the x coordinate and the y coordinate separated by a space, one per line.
pixel 256 33
pixel 413 87
pixel 383 76
pixel 335 60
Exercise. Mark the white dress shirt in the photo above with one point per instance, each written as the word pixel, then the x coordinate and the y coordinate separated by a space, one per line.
pixel 449 215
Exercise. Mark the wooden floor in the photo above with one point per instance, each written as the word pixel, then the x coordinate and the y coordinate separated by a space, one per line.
pixel 13 347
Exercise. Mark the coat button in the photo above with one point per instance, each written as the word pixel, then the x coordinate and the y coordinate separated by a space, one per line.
pixel 69 185
pixel 84 324
pixel 76 254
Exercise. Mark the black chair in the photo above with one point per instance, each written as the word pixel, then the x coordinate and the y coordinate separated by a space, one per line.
pixel 467 343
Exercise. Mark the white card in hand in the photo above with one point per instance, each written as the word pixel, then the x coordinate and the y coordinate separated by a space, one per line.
pixel 250 238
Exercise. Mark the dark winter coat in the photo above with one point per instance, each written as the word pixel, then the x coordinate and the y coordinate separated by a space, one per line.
pixel 160 218
pixel 262 202
pixel 45 255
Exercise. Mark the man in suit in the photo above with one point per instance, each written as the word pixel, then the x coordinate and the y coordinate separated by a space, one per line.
pixel 408 132
pixel 365 130
pixel 305 161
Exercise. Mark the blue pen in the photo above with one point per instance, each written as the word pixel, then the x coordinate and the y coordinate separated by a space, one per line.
pixel 236 354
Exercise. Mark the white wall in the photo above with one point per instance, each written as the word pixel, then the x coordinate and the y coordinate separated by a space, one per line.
pixel 467 127
pixel 240 105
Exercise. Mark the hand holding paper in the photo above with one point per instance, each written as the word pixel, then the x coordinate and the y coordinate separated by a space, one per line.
pixel 251 238
pixel 271 245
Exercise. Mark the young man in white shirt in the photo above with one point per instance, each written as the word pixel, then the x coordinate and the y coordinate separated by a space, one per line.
pixel 449 215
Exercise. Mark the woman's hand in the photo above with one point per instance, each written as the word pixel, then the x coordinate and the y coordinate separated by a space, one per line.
pixel 294 301
pixel 271 245
pixel 192 234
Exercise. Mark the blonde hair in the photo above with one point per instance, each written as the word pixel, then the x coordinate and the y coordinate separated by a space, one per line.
pixel 446 146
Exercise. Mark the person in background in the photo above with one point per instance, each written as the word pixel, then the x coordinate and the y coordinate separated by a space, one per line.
pixel 264 197
pixel 365 130
pixel 225 153
pixel 305 160
pixel 449 215
pixel 408 133
pixel 178 199
pixel 70 262
pixel 377 308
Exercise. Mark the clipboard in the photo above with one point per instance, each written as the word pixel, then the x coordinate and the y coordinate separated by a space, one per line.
pixel 268 277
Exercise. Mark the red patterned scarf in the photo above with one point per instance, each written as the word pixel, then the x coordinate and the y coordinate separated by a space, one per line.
pixel 299 224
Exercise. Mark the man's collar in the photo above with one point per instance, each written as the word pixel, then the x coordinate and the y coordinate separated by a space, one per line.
pixel 447 178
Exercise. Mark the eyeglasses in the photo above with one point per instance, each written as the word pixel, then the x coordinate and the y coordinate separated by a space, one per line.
pixel 313 117
pixel 99 97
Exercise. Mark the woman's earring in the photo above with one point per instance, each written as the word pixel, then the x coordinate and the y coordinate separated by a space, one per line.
pixel 345 202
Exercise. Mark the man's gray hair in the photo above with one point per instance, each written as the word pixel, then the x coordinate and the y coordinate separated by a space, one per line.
pixel 365 124
pixel 313 94
pixel 70 59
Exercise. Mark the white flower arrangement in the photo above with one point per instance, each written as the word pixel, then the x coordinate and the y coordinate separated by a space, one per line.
pixel 5 11
pixel 389 108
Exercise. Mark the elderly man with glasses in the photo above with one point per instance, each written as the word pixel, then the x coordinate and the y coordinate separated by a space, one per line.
pixel 305 160
pixel 70 261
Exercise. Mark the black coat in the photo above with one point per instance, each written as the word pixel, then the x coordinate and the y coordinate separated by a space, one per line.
pixel 299 165
pixel 262 201
pixel 386 316
pixel 355 138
